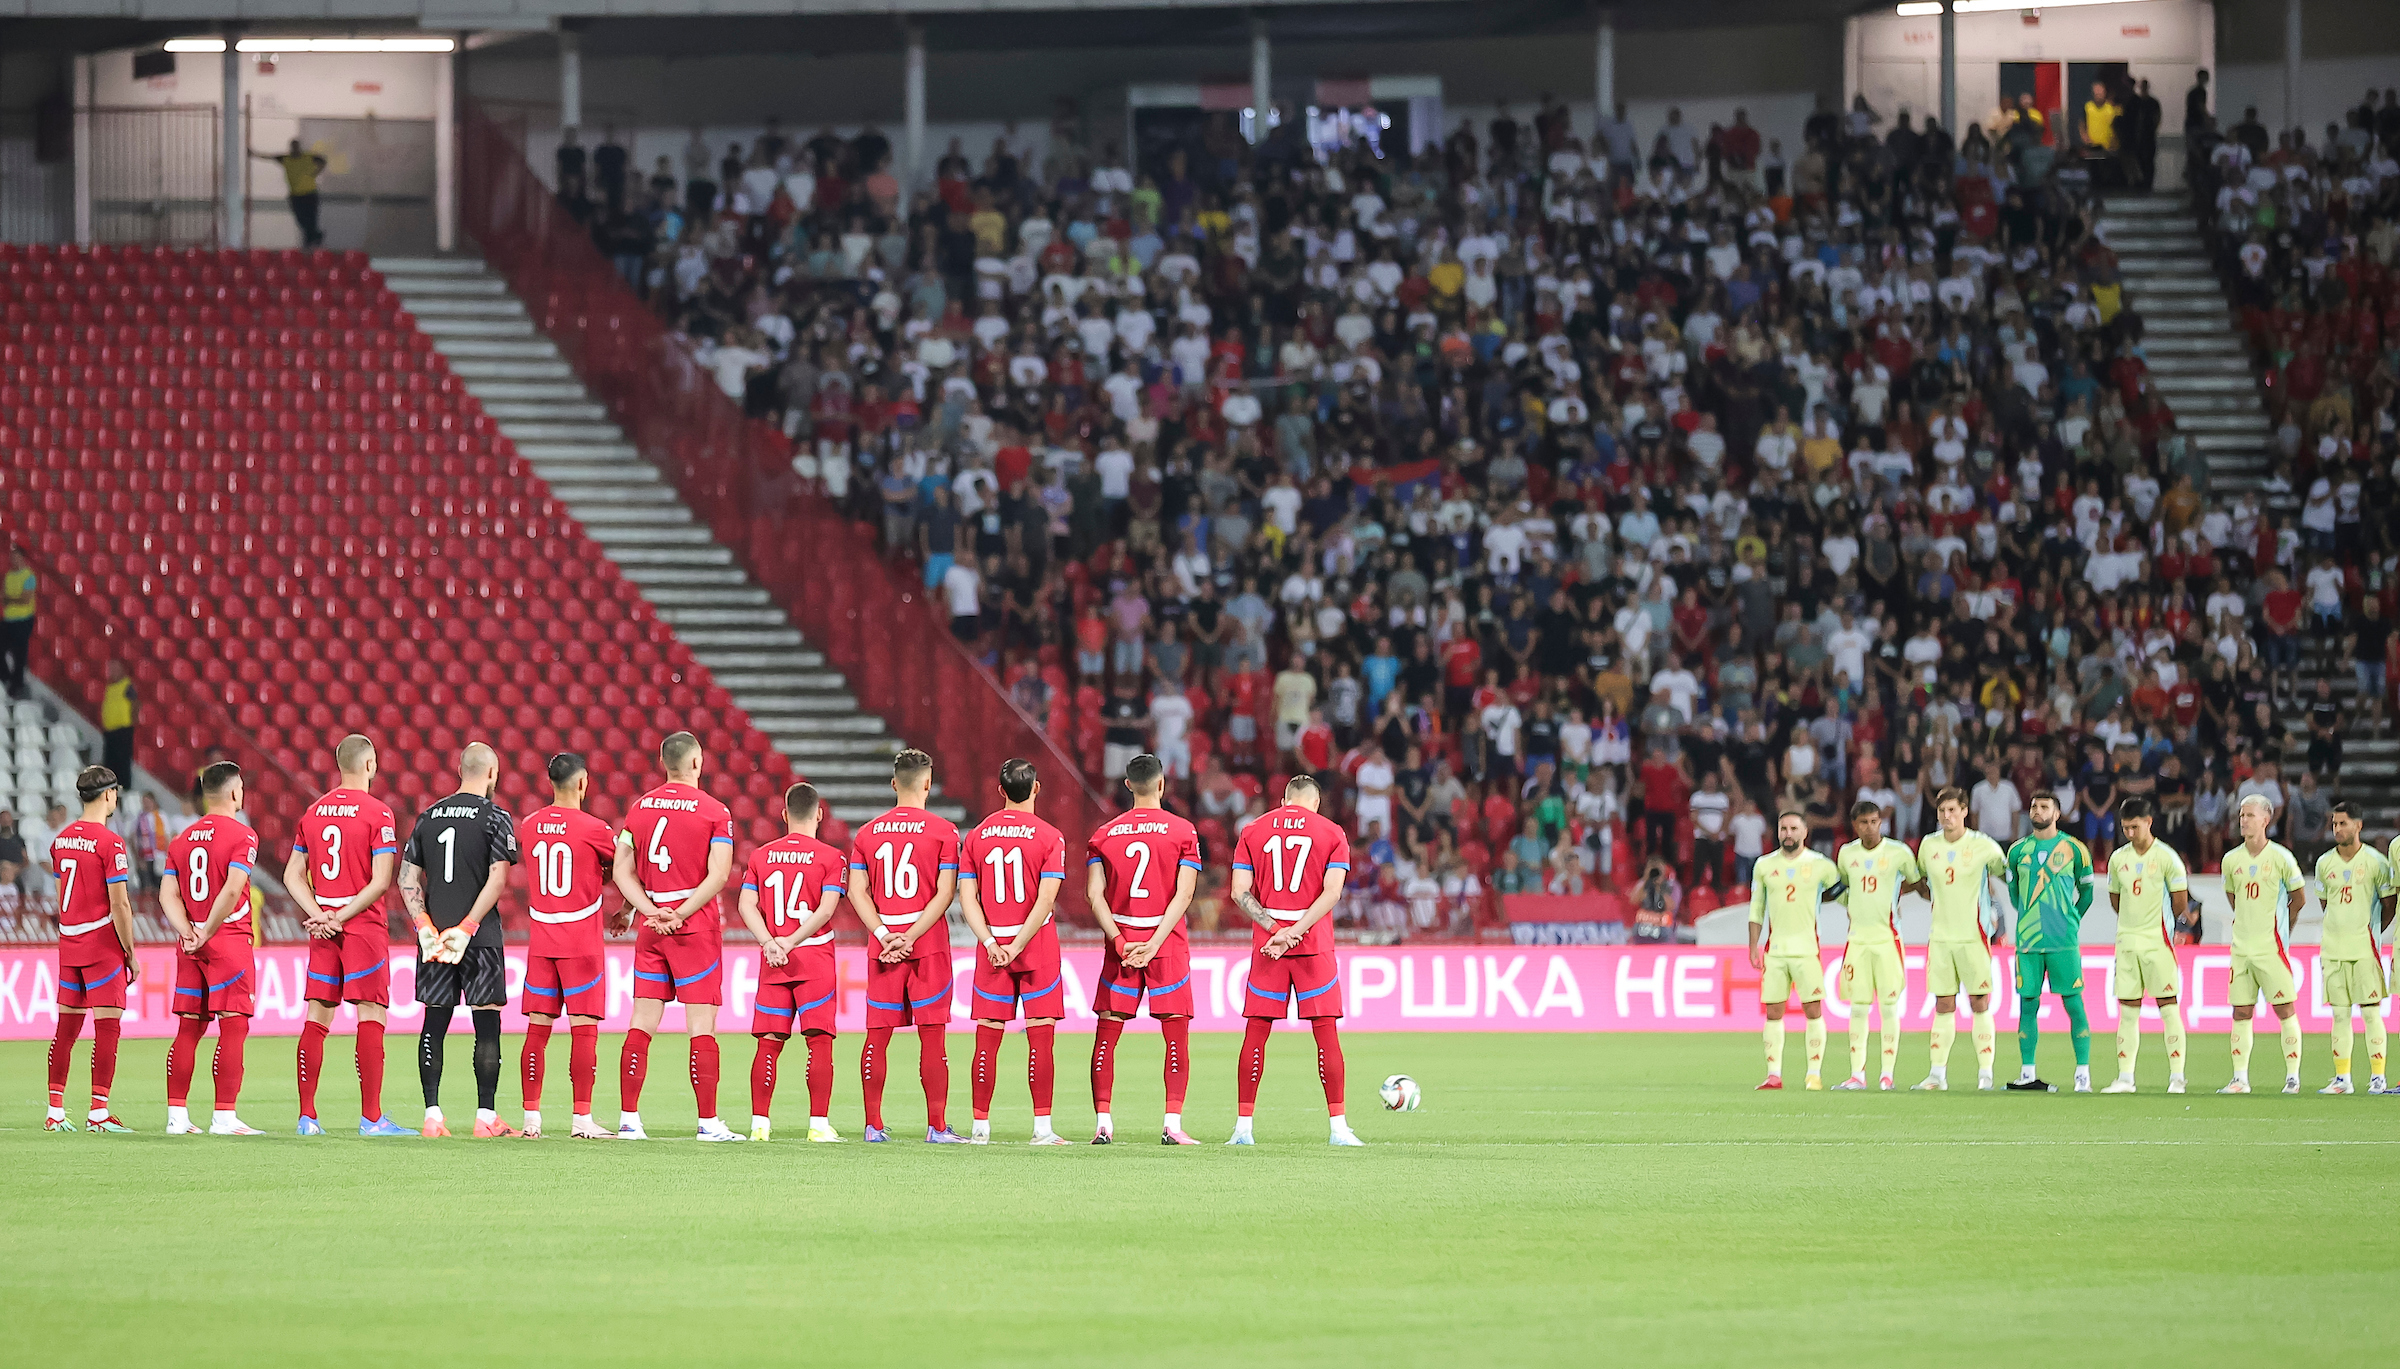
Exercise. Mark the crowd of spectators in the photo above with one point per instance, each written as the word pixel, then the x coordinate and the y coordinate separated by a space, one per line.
pixel 1573 504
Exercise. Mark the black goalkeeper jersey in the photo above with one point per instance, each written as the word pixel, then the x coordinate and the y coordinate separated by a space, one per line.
pixel 456 842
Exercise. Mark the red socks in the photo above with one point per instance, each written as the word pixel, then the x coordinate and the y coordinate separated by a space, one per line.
pixel 532 1062
pixel 762 1076
pixel 1254 1063
pixel 987 1068
pixel 704 1075
pixel 870 1073
pixel 820 1074
pixel 1329 1060
pixel 312 1064
pixel 62 1055
pixel 933 1071
pixel 1178 1032
pixel 183 1058
pixel 633 1066
pixel 583 1064
pixel 1042 1066
pixel 105 1031
pixel 233 1036
pixel 370 1070
pixel 1104 1061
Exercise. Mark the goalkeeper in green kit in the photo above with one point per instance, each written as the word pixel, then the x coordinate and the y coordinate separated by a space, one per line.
pixel 2050 882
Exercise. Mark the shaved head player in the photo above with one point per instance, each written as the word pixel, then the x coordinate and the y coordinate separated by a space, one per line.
pixel 451 878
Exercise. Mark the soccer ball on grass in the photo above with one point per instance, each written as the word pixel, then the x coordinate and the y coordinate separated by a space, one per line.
pixel 1400 1094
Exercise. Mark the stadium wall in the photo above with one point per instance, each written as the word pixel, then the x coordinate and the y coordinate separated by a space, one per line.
pixel 1398 988
pixel 1776 71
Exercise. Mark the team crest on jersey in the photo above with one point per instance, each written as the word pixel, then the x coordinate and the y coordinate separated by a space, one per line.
pixel 2061 859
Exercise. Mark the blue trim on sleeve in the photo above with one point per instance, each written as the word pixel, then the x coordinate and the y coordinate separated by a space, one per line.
pixel 1240 866
pixel 119 879
pixel 714 840
pixel 963 874
pixel 1196 865
pixel 749 886
pixel 242 866
pixel 858 865
pixel 383 850
pixel 945 867
pixel 1337 865
pixel 1095 860
pixel 1054 874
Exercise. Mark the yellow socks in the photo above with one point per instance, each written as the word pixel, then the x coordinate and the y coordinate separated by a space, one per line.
pixel 2341 1042
pixel 1815 1036
pixel 1774 1037
pixel 1859 1027
pixel 2289 1032
pixel 2173 1013
pixel 2241 1048
pixel 1945 1030
pixel 2129 1038
pixel 2375 1040
pixel 1985 1034
pixel 1891 1034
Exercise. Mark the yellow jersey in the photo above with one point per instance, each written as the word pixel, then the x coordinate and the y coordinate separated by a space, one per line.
pixel 1955 872
pixel 2353 891
pixel 2139 884
pixel 1784 894
pixel 17 588
pixel 1872 881
pixel 116 705
pixel 2258 885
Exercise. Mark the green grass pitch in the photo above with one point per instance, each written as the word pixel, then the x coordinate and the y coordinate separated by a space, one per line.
pixel 1560 1200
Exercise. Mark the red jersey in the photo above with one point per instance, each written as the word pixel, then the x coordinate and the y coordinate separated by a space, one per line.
pixel 672 830
pixel 341 834
pixel 199 859
pixel 1146 850
pixel 87 858
pixel 1288 851
pixel 904 853
pixel 1008 856
pixel 570 857
pixel 789 875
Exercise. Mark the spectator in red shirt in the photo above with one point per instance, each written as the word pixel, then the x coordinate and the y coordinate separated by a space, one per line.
pixel 2281 640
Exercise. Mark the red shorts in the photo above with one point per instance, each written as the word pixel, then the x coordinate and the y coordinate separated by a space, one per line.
pixel 680 969
pixel 797 1006
pixel 915 992
pixel 1166 981
pixel 355 966
pixel 565 986
pixel 220 978
pixel 91 976
pixel 1031 983
pixel 1308 985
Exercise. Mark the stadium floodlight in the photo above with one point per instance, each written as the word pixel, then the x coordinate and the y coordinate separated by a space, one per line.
pixel 314 45
pixel 1921 9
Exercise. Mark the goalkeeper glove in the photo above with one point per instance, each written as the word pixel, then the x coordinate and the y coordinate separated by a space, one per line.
pixel 454 944
pixel 429 941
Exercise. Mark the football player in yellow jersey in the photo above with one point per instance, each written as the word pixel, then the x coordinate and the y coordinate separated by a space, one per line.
pixel 2263 884
pixel 1785 888
pixel 2146 880
pixel 2355 883
pixel 1874 873
pixel 1957 864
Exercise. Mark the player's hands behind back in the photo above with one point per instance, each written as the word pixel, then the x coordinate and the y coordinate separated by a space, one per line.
pixel 454 944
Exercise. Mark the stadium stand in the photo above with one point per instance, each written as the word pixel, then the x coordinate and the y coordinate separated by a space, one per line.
pixel 255 479
pixel 1838 474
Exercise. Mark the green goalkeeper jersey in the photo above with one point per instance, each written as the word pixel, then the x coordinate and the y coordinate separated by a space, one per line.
pixel 2050 881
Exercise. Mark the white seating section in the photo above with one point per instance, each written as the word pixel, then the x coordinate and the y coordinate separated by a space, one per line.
pixel 39 757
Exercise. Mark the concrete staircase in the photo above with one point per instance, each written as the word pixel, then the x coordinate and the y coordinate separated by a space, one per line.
pixel 2198 357
pixel 2194 347
pixel 728 621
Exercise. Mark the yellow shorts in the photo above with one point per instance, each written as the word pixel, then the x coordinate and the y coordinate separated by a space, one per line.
pixel 2147 972
pixel 2349 983
pixel 1956 967
pixel 1871 972
pixel 2254 975
pixel 1784 973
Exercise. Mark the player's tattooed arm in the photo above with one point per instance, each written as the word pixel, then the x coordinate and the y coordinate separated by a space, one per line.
pixel 412 892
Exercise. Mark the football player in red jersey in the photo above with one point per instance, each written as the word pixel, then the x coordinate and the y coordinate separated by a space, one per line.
pixel 208 872
pixel 570 856
pixel 1010 869
pixel 1288 870
pixel 790 890
pixel 342 864
pixel 96 962
pixel 674 856
pixel 903 874
pixel 1140 906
